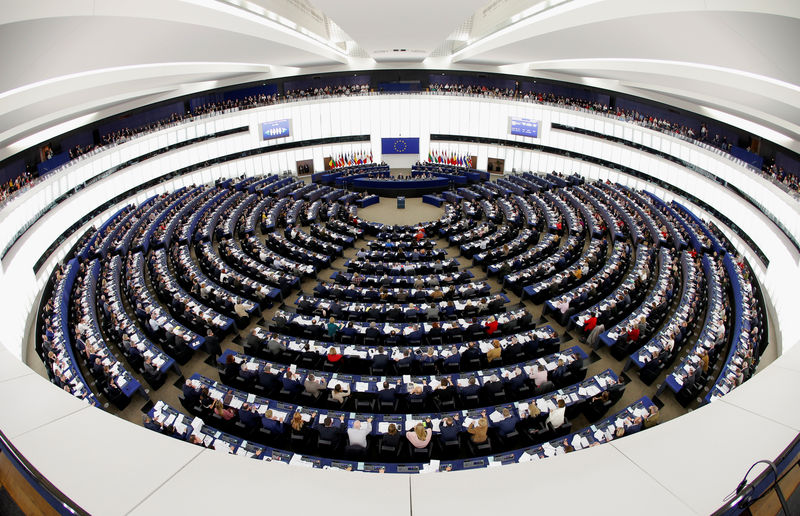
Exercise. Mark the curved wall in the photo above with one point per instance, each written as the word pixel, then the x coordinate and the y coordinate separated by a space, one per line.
pixel 152 474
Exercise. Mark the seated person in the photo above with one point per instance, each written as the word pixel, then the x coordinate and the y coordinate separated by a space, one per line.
pixel 329 431
pixel 478 434
pixel 508 424
pixel 381 360
pixel 249 417
pixel 539 376
pixel 471 389
pixel 290 383
pixel 333 356
pixel 392 437
pixel 269 422
pixel 495 352
pixel 314 385
pixel 558 416
pixel 190 394
pixel 420 392
pixel 449 429
pixel 357 435
pixel 420 436
pixel 340 394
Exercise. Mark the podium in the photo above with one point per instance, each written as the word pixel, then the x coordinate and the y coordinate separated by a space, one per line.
pixel 401 203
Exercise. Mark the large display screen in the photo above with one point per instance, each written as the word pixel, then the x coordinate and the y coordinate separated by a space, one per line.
pixel 275 129
pixel 524 127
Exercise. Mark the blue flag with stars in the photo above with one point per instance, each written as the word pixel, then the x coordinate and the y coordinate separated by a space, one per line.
pixel 400 145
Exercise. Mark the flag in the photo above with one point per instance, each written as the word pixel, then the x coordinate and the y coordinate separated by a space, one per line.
pixel 370 157
pixel 430 158
pixel 331 163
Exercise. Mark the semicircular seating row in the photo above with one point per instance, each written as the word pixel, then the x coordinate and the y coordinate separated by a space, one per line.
pixel 406 338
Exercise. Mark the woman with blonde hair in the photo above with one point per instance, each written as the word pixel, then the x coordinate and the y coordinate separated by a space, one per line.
pixel 491 325
pixel 297 422
pixel 223 412
pixel 333 328
pixel 420 436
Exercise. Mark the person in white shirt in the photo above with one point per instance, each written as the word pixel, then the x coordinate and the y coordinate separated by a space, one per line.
pixel 359 432
pixel 153 322
pixel 556 417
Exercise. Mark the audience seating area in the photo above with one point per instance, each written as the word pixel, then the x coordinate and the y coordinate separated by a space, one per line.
pixel 402 360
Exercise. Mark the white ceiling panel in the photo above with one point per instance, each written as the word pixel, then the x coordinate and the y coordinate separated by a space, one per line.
pixel 415 25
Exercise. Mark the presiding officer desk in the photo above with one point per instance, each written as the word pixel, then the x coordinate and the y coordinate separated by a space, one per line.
pixel 399 187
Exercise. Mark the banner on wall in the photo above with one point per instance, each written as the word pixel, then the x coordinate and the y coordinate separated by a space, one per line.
pixel 275 129
pixel 400 145
pixel 524 127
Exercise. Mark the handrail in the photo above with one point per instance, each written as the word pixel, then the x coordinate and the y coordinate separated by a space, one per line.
pixel 60 502
pixel 762 484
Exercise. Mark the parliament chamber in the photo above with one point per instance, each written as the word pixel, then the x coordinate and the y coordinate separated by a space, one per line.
pixel 383 286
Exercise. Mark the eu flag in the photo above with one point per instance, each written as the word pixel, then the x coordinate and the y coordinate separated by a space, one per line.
pixel 400 145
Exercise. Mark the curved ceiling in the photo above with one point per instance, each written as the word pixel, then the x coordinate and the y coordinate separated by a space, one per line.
pixel 69 62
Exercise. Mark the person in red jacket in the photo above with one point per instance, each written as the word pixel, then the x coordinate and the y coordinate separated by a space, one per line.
pixel 633 334
pixel 590 323
pixel 333 355
pixel 491 325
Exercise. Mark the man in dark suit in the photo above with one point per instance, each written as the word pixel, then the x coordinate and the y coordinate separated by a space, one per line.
pixel 266 379
pixel 415 335
pixel 474 328
pixel 407 360
pixel 190 394
pixel 372 332
pixel 471 353
pixel 381 359
pixel 335 310
pixel 492 386
pixel 211 345
pixel 291 383
pixel 449 429
pixel 321 290
pixel 249 417
pixel 506 425
pixel 350 330
pixel 269 423
pixel 420 392
pixel 389 393
pixel 304 306
pixel 394 313
pixel 454 358
pixel 332 432
pixel 518 381
pixel 373 312
pixel 471 389
pixel 253 340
